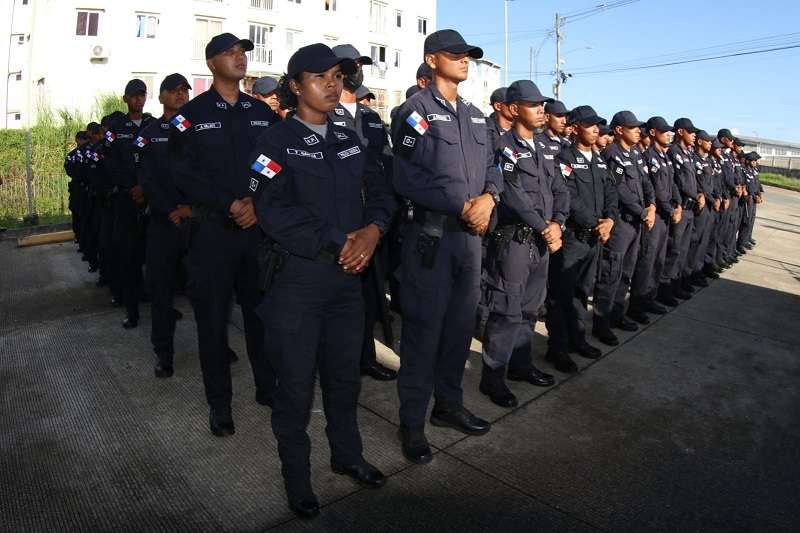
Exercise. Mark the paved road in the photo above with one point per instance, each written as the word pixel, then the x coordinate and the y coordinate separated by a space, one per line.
pixel 692 424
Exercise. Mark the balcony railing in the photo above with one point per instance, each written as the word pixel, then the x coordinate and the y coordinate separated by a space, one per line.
pixel 260 54
pixel 261 4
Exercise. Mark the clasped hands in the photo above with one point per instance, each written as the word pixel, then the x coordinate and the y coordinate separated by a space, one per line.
pixel 477 213
pixel 603 229
pixel 243 212
pixel 359 248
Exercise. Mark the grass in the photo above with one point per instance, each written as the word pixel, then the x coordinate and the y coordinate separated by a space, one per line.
pixel 776 180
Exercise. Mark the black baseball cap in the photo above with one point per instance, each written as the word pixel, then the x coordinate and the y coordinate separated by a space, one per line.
pixel 703 135
pixel 424 71
pixel 348 51
pixel 716 143
pixel 363 92
pixel 498 95
pixel 725 132
pixel 556 107
pixel 135 86
pixel 626 119
pixel 93 127
pixel 411 91
pixel 684 124
pixel 450 41
pixel 584 114
pixel 738 142
pixel 265 85
pixel 173 81
pixel 659 124
pixel 224 41
pixel 605 129
pixel 317 58
pixel 525 91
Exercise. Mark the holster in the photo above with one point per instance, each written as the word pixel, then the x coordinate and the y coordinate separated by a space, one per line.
pixel 430 236
pixel 270 258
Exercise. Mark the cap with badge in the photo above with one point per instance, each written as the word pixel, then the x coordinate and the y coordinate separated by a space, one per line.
pixel 450 41
pixel 725 133
pixel 348 51
pixel 265 85
pixel 584 114
pixel 626 119
pixel 525 91
pixel 135 86
pixel 424 71
pixel 498 96
pixel 659 124
pixel 684 124
pixel 173 81
pixel 556 107
pixel 226 41
pixel 317 58
pixel 703 135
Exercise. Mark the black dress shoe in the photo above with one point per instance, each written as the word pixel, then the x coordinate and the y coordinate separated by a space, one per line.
pixel 116 302
pixel 176 315
pixel 679 292
pixel 637 315
pixel 625 325
pixel 653 307
pixel 741 251
pixel 130 323
pixel 562 361
pixel 305 508
pixel 362 473
pixel 378 372
pixel 606 336
pixel 734 260
pixel 232 357
pixel 587 351
pixel 665 295
pixel 748 246
pixel 221 424
pixel 711 273
pixel 163 371
pixel 532 375
pixel 493 385
pixel 415 446
pixel 460 419
pixel 698 279
pixel 264 398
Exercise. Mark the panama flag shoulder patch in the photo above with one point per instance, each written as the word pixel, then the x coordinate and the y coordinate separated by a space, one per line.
pixel 141 142
pixel 181 122
pixel 266 166
pixel 110 136
pixel 416 121
pixel 566 170
pixel 510 154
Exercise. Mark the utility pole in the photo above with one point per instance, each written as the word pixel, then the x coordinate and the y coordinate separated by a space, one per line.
pixel 557 84
pixel 530 63
pixel 505 39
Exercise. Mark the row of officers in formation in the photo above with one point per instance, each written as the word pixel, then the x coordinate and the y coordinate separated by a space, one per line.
pixel 301 203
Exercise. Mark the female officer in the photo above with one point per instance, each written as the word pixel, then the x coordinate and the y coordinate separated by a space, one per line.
pixel 322 204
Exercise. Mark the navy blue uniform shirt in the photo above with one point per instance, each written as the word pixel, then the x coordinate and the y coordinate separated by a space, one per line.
pixel 592 193
pixel 152 170
pixel 662 178
pixel 119 149
pixel 683 163
pixel 634 190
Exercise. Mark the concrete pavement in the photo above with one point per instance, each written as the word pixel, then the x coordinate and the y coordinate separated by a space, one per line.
pixel 692 423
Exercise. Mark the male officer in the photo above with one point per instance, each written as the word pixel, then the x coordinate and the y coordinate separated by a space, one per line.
pixel 637 213
pixel 97 189
pixel 704 218
pixel 605 138
pixel 680 153
pixel 71 167
pixel 552 140
pixel 168 231
pixel 730 179
pixel 499 122
pixel 266 90
pixel 365 96
pixel 593 210
pixel 424 75
pixel 371 130
pixel 650 281
pixel 713 259
pixel 533 207
pixel 128 197
pixel 752 188
pixel 445 168
pixel 211 138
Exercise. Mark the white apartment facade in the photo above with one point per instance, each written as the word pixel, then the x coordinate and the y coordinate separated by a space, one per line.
pixel 484 78
pixel 66 52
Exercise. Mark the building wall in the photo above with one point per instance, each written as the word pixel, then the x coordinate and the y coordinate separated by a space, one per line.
pixel 68 70
pixel 484 78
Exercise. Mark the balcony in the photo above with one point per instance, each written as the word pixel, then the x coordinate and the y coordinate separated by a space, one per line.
pixel 261 54
pixel 261 4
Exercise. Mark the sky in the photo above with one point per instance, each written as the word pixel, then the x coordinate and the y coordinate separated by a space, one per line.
pixel 754 95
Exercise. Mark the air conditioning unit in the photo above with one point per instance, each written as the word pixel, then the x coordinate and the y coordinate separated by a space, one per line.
pixel 98 51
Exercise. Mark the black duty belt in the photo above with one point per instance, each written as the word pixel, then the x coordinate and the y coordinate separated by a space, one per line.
pixel 689 203
pixel 582 234
pixel 201 212
pixel 521 233
pixel 420 215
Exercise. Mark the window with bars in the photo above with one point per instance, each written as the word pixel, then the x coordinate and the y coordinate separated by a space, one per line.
pixel 261 35
pixel 380 105
pixel 422 26
pixel 146 25
pixel 292 40
pixel 397 56
pixel 377 16
pixel 261 4
pixel 204 30
pixel 88 23
pixel 398 19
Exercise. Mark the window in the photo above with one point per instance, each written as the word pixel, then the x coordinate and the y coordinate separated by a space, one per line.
pixel 261 36
pixel 200 84
pixel 398 19
pixel 21 39
pixel 330 5
pixel 294 1
pixel 24 2
pixel 330 40
pixel 292 40
pixel 397 55
pixel 377 16
pixel 18 76
pixel 422 26
pixel 261 4
pixel 17 116
pixel 204 30
pixel 87 23
pixel 147 78
pixel 381 105
pixel 146 26
pixel 378 53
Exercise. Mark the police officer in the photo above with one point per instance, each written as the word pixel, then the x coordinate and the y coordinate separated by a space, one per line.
pixel 128 198
pixel 704 218
pixel 680 153
pixel 266 90
pixel 729 177
pixel 96 187
pixel 533 207
pixel 593 210
pixel 424 75
pixel 713 259
pixel 605 138
pixel 168 230
pixel 651 284
pixel 552 139
pixel 637 213
pixel 71 166
pixel 312 174
pixel 365 96
pixel 751 189
pixel 499 122
pixel 211 138
pixel 445 169
pixel 644 144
